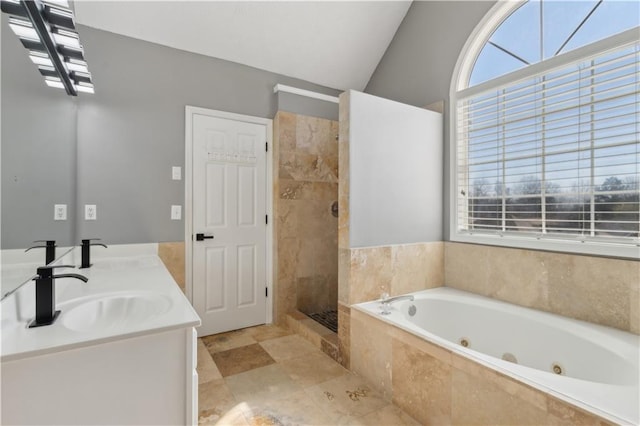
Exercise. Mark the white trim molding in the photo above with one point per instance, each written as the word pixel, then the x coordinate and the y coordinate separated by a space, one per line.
pixel 307 93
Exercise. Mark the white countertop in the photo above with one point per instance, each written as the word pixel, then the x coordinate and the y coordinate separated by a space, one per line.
pixel 114 277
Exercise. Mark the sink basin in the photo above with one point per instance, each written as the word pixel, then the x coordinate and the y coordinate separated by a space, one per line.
pixel 113 311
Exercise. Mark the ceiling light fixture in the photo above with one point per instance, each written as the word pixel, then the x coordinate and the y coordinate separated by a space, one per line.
pixel 46 28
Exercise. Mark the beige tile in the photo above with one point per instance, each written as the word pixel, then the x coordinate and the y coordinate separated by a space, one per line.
pixel 296 409
pixel 344 335
pixel 332 350
pixel 433 350
pixel 346 396
pixel 416 267
pixel 314 136
pixel 286 130
pixel 172 255
pixel 214 400
pixel 287 347
pixel 421 384
pixel 230 340
pixel 344 273
pixel 262 384
pixel 343 172
pixel 316 326
pixel 506 384
pixel 592 289
pixel 313 368
pixel 565 414
pixel 241 359
pixel 306 167
pixel 267 331
pixel 518 276
pixel 389 415
pixel 287 219
pixel 477 402
pixel 207 369
pixel 466 267
pixel 371 272
pixel 634 307
pixel 371 352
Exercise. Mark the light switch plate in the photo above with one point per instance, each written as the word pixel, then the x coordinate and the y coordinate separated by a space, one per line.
pixel 90 212
pixel 176 212
pixel 60 212
pixel 176 173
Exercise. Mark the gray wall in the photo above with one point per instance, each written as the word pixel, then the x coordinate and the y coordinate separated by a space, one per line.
pixel 38 151
pixel 131 131
pixel 418 65
pixel 307 106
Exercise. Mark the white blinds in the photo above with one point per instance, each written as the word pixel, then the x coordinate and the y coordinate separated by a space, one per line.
pixel 555 154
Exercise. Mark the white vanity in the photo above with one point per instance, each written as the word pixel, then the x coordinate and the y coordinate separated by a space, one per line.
pixel 122 351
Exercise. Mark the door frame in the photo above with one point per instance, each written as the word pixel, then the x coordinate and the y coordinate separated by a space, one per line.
pixel 190 111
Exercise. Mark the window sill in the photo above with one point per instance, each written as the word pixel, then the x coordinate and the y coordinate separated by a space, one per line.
pixel 590 248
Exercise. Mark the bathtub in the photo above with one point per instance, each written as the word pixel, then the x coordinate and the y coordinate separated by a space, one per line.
pixel 590 366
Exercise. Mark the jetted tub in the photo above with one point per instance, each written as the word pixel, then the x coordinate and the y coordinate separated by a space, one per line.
pixel 590 366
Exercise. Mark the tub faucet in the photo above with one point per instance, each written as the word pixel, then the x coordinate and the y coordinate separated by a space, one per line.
pixel 386 301
pixel 46 313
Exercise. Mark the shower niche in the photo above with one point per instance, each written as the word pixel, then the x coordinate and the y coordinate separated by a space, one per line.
pixel 306 230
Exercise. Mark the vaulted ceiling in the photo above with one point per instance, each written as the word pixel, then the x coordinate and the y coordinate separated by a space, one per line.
pixel 333 43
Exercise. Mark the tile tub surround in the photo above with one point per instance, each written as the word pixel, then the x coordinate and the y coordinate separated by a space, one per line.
pixel 284 391
pixel 366 273
pixel 436 386
pixel 305 186
pixel 600 290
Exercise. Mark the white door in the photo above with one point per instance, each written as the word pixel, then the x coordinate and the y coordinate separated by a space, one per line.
pixel 229 213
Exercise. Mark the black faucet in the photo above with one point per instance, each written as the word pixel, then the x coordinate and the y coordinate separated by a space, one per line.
pixel 46 313
pixel 86 251
pixel 50 247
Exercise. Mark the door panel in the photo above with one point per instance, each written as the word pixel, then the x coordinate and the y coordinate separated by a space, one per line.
pixel 229 204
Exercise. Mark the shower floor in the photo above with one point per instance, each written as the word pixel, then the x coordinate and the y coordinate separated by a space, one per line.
pixel 328 319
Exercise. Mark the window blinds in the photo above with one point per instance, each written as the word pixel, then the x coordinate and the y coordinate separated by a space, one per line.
pixel 555 154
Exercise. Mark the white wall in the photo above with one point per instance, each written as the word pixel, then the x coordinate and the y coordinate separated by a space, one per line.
pixel 395 172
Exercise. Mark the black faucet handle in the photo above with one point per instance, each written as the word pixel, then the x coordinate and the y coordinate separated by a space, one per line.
pixel 48 242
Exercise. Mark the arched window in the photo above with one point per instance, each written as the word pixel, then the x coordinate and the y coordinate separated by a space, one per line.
pixel 545 107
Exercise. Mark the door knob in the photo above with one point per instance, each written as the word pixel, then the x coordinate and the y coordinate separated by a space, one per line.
pixel 202 237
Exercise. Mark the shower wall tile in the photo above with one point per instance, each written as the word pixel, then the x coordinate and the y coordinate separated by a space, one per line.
pixel 173 257
pixel 600 290
pixel 306 185
pixel 343 172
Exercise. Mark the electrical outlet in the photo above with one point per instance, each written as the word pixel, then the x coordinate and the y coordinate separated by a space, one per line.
pixel 176 173
pixel 176 212
pixel 90 212
pixel 60 212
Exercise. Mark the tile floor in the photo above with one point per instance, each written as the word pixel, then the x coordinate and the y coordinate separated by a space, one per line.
pixel 268 376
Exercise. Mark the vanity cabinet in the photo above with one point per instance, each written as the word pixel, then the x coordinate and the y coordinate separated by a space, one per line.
pixel 144 380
